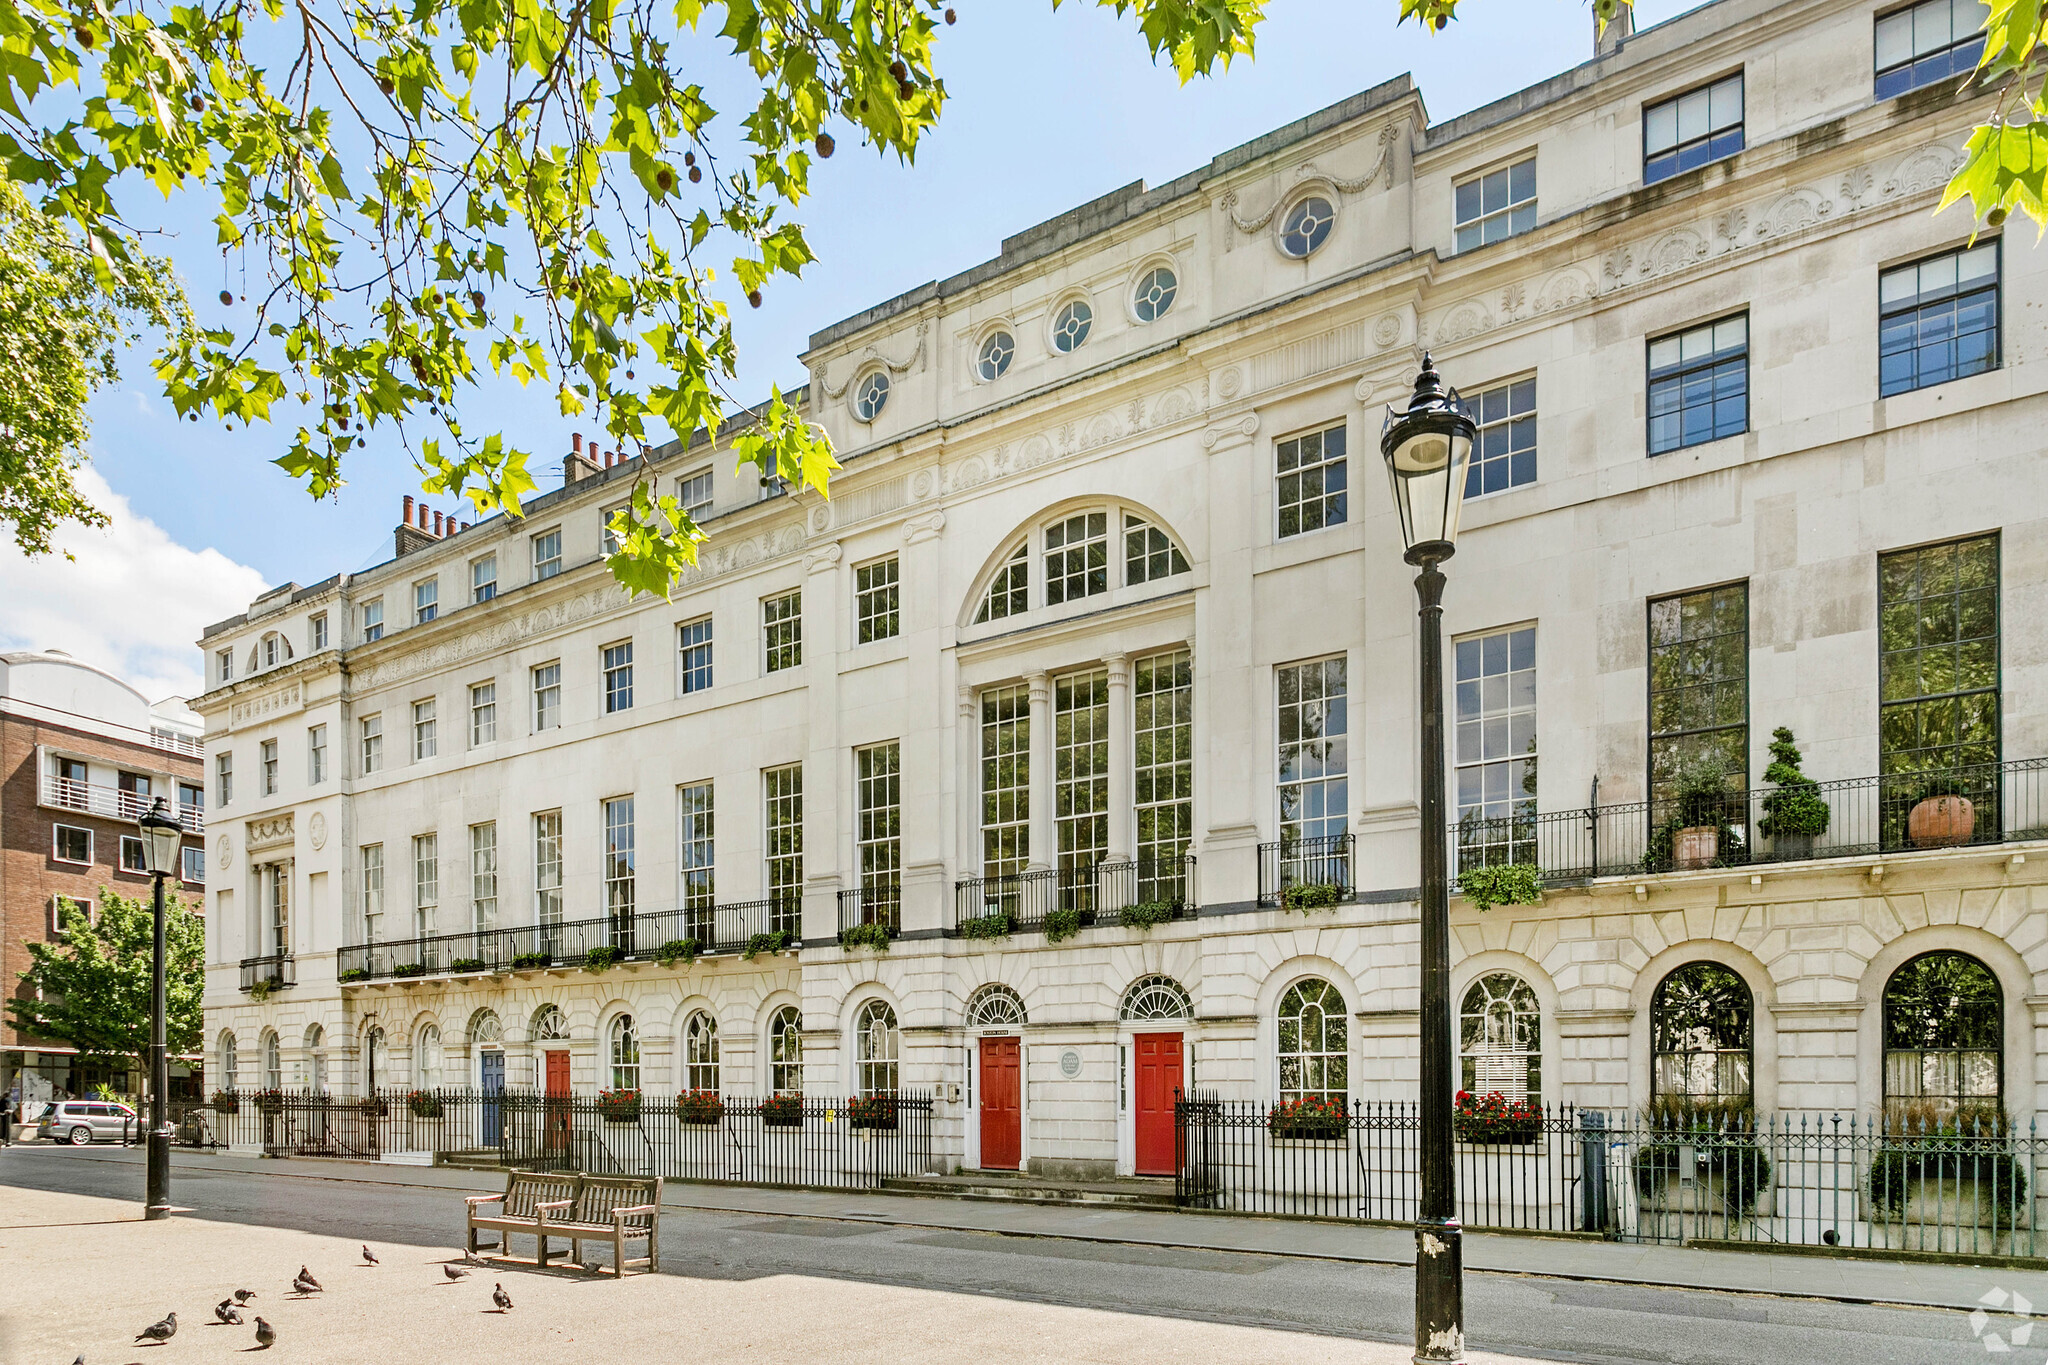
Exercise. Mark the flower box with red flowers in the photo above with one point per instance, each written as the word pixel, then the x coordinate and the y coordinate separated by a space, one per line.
pixel 1493 1118
pixel 876 1113
pixel 699 1106
pixel 1314 1118
pixel 783 1111
pixel 226 1102
pixel 618 1106
pixel 424 1104
pixel 270 1101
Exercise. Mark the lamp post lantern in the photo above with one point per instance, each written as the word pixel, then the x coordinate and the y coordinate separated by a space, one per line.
pixel 1427 448
pixel 162 845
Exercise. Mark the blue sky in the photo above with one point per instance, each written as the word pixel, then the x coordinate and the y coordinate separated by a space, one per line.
pixel 1047 110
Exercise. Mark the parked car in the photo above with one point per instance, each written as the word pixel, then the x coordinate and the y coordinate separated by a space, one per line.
pixel 81 1121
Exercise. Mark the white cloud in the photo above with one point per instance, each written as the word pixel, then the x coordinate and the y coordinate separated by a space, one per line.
pixel 132 601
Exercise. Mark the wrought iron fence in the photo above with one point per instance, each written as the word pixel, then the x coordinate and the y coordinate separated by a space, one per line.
pixel 1986 804
pixel 693 930
pixel 1319 869
pixel 876 903
pixel 776 1140
pixel 1808 1179
pixel 1065 899
pixel 274 972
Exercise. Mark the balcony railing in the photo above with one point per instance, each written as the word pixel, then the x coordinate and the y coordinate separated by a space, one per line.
pixel 271 973
pixel 1095 893
pixel 1867 817
pixel 674 935
pixel 96 798
pixel 878 902
pixel 1308 864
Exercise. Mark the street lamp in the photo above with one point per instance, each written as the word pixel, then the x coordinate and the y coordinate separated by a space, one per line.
pixel 1427 448
pixel 162 844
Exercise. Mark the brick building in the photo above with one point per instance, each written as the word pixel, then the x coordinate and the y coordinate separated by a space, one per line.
pixel 82 755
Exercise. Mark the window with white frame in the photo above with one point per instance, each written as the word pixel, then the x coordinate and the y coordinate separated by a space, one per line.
pixel 782 631
pixel 132 858
pixel 625 1054
pixel 1149 553
pixel 274 882
pixel 547 696
pixel 483 876
pixel 224 778
pixel 1496 747
pixel 696 858
pixel 700 1052
pixel 1163 780
pixel 71 844
pixel 875 1045
pixel 618 677
pixel 1497 205
pixel 878 837
pixel 483 578
pixel 1692 129
pixel 224 664
pixel 786 1051
pixel 273 651
pixel 1153 297
pixel 1077 558
pixel 1008 592
pixel 871 395
pixel 1314 1052
pixel 266 767
pixel 782 794
pixel 373 621
pixel 693 491
pixel 547 554
pixel 620 871
pixel 1936 40
pixel 547 869
pixel 1504 454
pixel 1306 226
pixel 874 597
pixel 425 730
pixel 608 540
pixel 316 755
pixel 192 864
pixel 483 713
pixel 992 361
pixel 426 883
pixel 426 601
pixel 1311 480
pixel 1005 780
pixel 372 732
pixel 693 656
pixel 316 631
pixel 1500 1039
pixel 371 860
pixel 1080 761
pixel 1070 326
pixel 61 907
pixel 1314 758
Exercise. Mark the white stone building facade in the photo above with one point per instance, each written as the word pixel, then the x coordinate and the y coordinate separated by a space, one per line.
pixel 1111 580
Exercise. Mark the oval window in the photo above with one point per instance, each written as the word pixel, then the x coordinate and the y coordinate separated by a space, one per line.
pixel 996 351
pixel 1070 328
pixel 1155 294
pixel 871 396
pixel 1307 226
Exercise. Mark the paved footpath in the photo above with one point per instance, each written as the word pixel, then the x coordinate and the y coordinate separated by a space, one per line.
pixel 1841 1279
pixel 760 1275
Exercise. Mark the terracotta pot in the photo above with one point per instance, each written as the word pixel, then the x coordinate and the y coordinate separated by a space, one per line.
pixel 1695 846
pixel 1941 821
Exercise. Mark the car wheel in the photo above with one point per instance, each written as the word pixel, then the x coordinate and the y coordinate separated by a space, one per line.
pixel 80 1136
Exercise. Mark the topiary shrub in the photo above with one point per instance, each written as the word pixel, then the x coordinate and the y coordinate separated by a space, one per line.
pixel 1501 884
pixel 1795 808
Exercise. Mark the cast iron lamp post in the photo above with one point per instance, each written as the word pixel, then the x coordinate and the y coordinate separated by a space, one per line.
pixel 1427 448
pixel 162 845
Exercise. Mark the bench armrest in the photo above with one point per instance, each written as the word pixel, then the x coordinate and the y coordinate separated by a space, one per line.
pixel 554 1204
pixel 476 1199
pixel 637 1208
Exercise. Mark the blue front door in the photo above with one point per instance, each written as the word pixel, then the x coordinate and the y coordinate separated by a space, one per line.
pixel 493 1086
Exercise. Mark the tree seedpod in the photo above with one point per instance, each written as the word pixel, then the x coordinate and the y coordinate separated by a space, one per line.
pixel 696 174
pixel 83 34
pixel 664 179
pixel 950 16
pixel 754 297
pixel 199 102
pixel 825 144
pixel 226 298
pixel 689 158
pixel 899 70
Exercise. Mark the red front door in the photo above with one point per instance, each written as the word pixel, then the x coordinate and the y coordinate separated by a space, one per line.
pixel 1158 1082
pixel 1002 1127
pixel 558 1089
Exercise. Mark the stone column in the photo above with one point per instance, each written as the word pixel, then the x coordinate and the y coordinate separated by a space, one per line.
pixel 1122 746
pixel 825 764
pixel 967 783
pixel 1232 716
pixel 1043 841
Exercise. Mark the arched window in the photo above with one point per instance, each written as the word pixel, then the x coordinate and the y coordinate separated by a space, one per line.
pixel 273 1063
pixel 316 1059
pixel 1702 1036
pixel 484 1028
pixel 1009 592
pixel 625 1054
pixel 550 1025
pixel 1500 1038
pixel 1944 1042
pixel 786 1051
pixel 1315 1051
pixel 373 1061
pixel 229 1072
pixel 995 1006
pixel 426 1058
pixel 700 1052
pixel 875 1048
pixel 1156 997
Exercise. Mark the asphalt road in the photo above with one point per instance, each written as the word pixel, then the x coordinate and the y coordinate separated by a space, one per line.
pixel 1517 1315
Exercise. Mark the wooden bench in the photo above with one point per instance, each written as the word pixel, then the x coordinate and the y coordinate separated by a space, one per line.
pixel 620 1209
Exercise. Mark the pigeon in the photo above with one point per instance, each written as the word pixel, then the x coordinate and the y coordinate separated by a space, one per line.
pixel 501 1298
pixel 266 1335
pixel 242 1296
pixel 226 1312
pixel 304 1287
pixel 306 1278
pixel 369 1256
pixel 160 1331
pixel 452 1273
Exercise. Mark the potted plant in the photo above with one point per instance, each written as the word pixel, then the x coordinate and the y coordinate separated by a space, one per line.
pixel 1794 813
pixel 226 1102
pixel 351 974
pixel 410 969
pixel 1702 812
pixel 528 962
pixel 1492 884
pixel 619 1106
pixel 424 1104
pixel 1942 814
pixel 466 964
pixel 269 1101
pixel 782 1111
pixel 1145 914
pixel 1700 1165
pixel 700 1107
pixel 994 924
pixel 1495 1119
pixel 875 1113
pixel 683 950
pixel 1307 896
pixel 602 957
pixel 1940 1176
pixel 772 943
pixel 1314 1118
pixel 1061 925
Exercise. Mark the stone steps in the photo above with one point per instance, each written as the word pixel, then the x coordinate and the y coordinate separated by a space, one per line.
pixel 1136 1192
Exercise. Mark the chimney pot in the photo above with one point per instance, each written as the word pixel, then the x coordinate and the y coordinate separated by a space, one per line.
pixel 437 523
pixel 407 518
pixel 575 443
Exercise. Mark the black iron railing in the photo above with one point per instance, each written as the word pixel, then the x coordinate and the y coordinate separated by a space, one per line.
pixel 1866 816
pixel 1811 1179
pixel 271 973
pixel 877 903
pixel 776 1140
pixel 1307 871
pixel 1064 899
pixel 662 935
